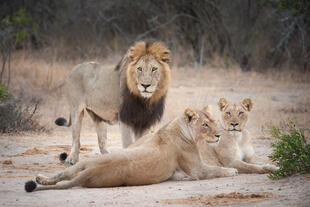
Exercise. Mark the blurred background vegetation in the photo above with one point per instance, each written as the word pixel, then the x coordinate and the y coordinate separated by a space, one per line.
pixel 255 34
pixel 40 41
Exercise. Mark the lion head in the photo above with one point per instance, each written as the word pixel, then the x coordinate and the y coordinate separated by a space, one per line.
pixel 201 126
pixel 148 71
pixel 234 116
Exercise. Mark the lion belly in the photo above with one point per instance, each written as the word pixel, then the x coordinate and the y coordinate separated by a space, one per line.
pixel 149 166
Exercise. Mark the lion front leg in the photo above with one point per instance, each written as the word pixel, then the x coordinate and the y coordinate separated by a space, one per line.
pixel 244 167
pixel 203 171
pixel 101 129
pixel 254 160
pixel 126 134
pixel 208 172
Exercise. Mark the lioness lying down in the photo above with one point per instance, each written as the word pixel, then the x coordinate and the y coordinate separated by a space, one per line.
pixel 155 160
pixel 234 148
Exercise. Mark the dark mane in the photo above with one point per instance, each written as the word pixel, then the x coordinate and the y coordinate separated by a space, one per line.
pixel 139 113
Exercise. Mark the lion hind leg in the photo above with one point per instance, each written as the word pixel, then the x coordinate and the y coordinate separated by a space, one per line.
pixel 79 180
pixel 67 174
pixel 77 114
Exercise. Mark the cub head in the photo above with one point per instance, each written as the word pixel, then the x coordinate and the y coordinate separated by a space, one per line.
pixel 148 72
pixel 201 126
pixel 234 115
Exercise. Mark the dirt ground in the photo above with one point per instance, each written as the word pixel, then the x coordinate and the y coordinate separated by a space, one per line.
pixel 276 98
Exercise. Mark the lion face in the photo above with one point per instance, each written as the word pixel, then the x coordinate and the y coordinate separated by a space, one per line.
pixel 148 73
pixel 202 126
pixel 234 116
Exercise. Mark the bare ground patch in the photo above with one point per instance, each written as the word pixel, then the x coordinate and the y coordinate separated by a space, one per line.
pixel 223 199
pixel 51 148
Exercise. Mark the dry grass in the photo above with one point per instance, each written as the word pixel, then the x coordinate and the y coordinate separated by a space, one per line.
pixel 277 96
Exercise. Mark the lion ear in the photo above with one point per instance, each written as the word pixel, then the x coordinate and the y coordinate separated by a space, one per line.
pixel 223 103
pixel 191 116
pixel 207 109
pixel 247 104
pixel 166 56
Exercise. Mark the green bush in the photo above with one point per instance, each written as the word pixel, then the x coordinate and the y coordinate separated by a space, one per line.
pixel 4 94
pixel 291 152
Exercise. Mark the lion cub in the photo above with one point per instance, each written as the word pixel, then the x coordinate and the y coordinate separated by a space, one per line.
pixel 234 148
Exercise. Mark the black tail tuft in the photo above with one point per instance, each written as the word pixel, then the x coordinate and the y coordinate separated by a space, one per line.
pixel 61 121
pixel 30 186
pixel 63 156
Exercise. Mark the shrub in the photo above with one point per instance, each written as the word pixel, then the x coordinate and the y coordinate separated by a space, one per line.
pixel 4 94
pixel 291 152
pixel 19 114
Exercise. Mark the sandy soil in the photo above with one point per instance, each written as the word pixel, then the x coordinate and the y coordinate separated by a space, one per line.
pixel 275 100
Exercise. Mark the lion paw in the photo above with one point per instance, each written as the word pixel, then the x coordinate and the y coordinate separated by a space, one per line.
pixel 41 179
pixel 71 160
pixel 231 172
pixel 270 168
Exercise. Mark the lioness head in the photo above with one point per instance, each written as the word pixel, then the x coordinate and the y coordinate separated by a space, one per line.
pixel 234 116
pixel 148 72
pixel 201 126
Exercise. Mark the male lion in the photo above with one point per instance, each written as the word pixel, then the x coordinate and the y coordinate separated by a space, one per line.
pixel 172 147
pixel 234 148
pixel 134 93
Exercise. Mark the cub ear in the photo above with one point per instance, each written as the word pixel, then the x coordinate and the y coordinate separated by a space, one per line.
pixel 166 56
pixel 191 116
pixel 223 103
pixel 247 104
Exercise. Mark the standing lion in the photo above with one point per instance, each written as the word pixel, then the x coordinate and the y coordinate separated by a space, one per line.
pixel 133 93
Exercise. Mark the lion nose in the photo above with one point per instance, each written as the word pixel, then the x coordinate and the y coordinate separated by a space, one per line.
pixel 234 124
pixel 146 85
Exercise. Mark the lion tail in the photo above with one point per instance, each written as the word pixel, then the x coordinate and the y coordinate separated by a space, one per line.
pixel 63 122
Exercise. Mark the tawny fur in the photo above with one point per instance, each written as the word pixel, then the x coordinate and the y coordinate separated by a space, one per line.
pixel 150 160
pixel 234 148
pixel 100 91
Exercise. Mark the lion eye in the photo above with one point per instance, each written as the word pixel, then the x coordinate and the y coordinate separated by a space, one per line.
pixel 241 113
pixel 139 69
pixel 154 69
pixel 228 113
